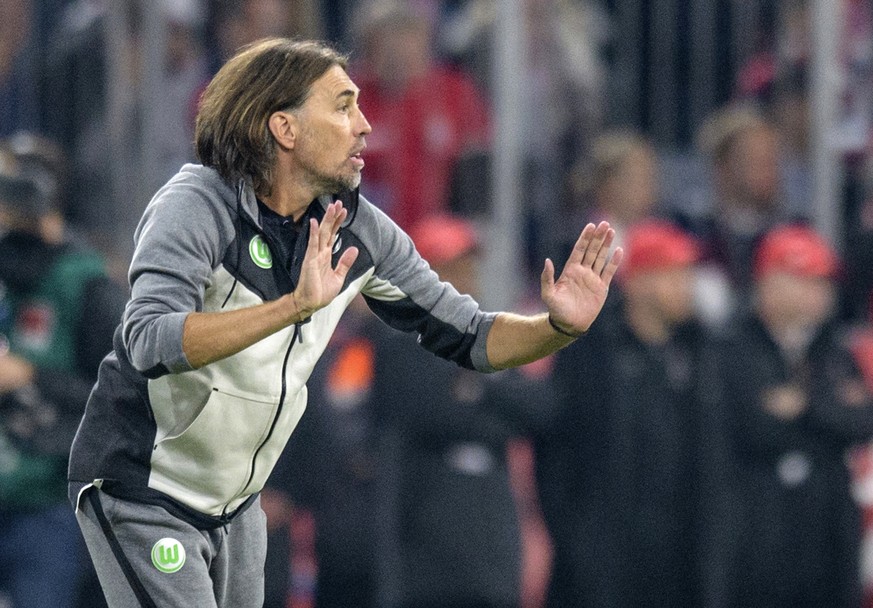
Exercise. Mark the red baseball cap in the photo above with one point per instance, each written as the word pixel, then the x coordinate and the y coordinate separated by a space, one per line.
pixel 443 238
pixel 797 250
pixel 657 245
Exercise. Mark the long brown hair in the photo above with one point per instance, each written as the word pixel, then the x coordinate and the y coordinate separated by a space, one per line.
pixel 231 133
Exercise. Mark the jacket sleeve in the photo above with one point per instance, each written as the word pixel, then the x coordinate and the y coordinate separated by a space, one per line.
pixel 102 305
pixel 840 403
pixel 438 415
pixel 177 245
pixel 746 377
pixel 407 295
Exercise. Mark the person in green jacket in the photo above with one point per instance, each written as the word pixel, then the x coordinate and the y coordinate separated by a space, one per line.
pixel 58 308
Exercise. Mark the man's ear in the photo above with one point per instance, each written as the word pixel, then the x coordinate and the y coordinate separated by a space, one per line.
pixel 283 126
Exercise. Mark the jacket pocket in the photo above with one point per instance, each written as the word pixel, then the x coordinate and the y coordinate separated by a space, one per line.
pixel 211 458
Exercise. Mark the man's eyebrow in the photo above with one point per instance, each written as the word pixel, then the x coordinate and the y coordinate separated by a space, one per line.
pixel 347 93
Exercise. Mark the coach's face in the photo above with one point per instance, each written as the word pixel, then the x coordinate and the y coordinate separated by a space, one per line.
pixel 330 130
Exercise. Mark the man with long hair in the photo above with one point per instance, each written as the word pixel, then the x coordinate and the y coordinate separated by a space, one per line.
pixel 242 268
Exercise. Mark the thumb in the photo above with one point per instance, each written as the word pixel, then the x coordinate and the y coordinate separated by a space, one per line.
pixel 345 262
pixel 547 279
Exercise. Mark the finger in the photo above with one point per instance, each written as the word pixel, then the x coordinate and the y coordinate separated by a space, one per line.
pixel 612 266
pixel 595 244
pixel 345 262
pixel 312 245
pixel 603 254
pixel 339 216
pixel 338 223
pixel 326 227
pixel 578 251
pixel 547 280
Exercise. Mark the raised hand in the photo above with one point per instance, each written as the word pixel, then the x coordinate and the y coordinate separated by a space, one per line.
pixel 319 281
pixel 576 298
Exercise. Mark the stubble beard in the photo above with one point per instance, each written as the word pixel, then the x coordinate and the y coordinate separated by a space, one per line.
pixel 349 182
pixel 324 183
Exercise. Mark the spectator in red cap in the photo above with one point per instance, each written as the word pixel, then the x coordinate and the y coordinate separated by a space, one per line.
pixel 795 284
pixel 794 401
pixel 616 472
pixel 450 244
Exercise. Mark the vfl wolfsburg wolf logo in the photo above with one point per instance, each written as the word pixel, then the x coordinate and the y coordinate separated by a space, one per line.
pixel 260 252
pixel 168 555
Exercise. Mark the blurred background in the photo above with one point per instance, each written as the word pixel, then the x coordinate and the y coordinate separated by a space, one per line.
pixel 116 83
pixel 524 119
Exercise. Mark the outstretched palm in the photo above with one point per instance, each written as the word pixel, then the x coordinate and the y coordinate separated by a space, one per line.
pixel 576 298
pixel 319 281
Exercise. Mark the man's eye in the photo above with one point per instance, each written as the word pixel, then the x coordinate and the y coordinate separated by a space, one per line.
pixel 344 108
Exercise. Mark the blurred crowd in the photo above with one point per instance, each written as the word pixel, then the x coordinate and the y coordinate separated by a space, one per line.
pixel 709 442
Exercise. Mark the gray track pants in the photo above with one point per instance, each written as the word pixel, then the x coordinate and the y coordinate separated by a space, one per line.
pixel 171 564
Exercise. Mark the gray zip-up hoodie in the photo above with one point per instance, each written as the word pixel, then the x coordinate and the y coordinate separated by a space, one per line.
pixel 206 440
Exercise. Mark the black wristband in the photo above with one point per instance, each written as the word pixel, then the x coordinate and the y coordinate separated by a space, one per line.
pixel 564 332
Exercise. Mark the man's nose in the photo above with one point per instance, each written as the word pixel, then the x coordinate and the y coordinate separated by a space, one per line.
pixel 364 127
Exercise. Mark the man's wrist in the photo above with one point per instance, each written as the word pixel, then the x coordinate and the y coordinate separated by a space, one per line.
pixel 562 331
pixel 298 312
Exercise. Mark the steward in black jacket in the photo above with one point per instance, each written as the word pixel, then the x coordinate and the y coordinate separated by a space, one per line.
pixel 617 473
pixel 794 403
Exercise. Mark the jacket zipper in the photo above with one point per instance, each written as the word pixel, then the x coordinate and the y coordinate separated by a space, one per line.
pixel 294 338
pixel 282 395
